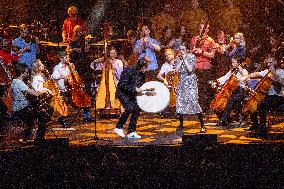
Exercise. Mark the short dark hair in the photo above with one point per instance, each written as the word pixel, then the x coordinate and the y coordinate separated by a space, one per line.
pixel 20 69
pixel 140 64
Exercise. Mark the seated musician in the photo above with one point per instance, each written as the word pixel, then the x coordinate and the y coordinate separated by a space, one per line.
pixel 237 96
pixel 167 72
pixel 275 97
pixel 21 106
pixel 43 108
pixel 167 67
pixel 60 74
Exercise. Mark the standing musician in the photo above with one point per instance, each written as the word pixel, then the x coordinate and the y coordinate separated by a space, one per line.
pixel 147 47
pixel 78 58
pixel 274 100
pixel 203 47
pixel 236 47
pixel 128 88
pixel 187 90
pixel 116 65
pixel 28 46
pixel 21 106
pixel 237 96
pixel 70 23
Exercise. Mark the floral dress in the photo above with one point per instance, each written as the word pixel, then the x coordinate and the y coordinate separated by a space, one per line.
pixel 187 90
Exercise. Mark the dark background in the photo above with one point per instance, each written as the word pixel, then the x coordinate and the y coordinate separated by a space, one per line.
pixel 124 14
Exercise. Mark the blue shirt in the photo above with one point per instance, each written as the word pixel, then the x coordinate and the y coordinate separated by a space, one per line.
pixel 149 52
pixel 27 57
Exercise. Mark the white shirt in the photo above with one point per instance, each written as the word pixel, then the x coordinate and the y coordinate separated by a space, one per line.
pixel 60 73
pixel 224 78
pixel 166 68
pixel 37 84
pixel 117 67
pixel 272 91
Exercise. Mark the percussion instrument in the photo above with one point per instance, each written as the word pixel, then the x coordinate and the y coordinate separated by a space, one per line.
pixel 153 103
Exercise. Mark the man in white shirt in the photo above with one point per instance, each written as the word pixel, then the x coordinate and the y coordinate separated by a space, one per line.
pixel 275 96
pixel 237 96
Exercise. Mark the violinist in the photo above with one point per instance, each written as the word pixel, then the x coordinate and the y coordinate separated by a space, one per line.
pixel 202 46
pixel 274 99
pixel 7 60
pixel 147 47
pixel 28 46
pixel 237 96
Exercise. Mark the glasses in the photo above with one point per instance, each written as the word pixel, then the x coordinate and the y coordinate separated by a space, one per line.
pixel 182 49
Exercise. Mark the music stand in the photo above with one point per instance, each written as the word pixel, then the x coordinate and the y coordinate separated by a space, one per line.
pixel 96 138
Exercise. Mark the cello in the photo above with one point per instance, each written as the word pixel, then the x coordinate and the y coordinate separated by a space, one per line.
pixel 222 97
pixel 257 95
pixel 57 100
pixel 172 79
pixel 79 97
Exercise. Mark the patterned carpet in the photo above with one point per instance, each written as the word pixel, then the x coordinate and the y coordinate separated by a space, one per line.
pixel 155 129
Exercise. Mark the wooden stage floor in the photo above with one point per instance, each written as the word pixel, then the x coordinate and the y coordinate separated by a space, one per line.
pixel 154 129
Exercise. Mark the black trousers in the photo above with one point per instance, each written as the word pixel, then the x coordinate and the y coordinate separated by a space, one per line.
pixel 131 109
pixel 205 92
pixel 271 102
pixel 235 101
pixel 29 115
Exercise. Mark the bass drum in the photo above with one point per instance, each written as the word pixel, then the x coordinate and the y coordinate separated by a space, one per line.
pixel 154 103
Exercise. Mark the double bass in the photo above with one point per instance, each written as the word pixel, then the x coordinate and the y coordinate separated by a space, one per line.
pixel 222 97
pixel 79 97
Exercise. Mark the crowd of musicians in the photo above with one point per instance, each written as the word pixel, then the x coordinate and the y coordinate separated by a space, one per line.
pixel 201 73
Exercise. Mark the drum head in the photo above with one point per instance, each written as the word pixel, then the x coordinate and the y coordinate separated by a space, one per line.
pixel 157 103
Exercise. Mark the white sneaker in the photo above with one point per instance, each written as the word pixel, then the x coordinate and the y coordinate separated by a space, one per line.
pixel 133 135
pixel 119 132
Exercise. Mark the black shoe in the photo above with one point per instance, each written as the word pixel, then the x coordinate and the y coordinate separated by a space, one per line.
pixel 63 123
pixel 179 128
pixel 262 133
pixel 253 128
pixel 222 124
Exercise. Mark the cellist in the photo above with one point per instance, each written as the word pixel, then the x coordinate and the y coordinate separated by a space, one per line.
pixel 275 96
pixel 238 95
